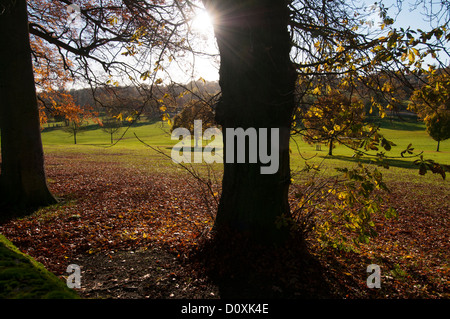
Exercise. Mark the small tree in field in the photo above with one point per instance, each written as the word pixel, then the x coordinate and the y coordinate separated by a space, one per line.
pixel 333 118
pixel 194 110
pixel 74 128
pixel 438 127
pixel 111 126
pixel 431 102
pixel 76 117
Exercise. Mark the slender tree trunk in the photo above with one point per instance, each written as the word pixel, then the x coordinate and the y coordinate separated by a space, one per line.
pixel 330 148
pixel 257 80
pixel 22 180
pixel 439 142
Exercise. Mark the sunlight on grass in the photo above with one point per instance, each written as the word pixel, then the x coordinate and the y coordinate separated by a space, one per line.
pixel 129 151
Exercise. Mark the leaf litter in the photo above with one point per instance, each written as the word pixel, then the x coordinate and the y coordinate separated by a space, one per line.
pixel 134 232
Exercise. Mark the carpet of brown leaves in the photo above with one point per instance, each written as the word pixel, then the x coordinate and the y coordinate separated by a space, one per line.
pixel 134 231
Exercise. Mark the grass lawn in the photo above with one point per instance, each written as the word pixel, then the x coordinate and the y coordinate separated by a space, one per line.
pixel 157 135
pixel 131 152
pixel 402 134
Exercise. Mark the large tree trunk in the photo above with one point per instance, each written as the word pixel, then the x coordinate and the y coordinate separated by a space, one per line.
pixel 22 179
pixel 257 80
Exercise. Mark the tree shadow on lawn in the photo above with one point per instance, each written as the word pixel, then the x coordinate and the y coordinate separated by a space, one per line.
pixel 243 270
pixel 410 125
pixel 400 163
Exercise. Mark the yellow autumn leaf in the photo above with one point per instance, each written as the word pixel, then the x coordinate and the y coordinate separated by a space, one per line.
pixel 411 56
pixel 316 90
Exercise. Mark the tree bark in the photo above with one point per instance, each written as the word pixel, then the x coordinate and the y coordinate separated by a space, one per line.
pixel 22 180
pixel 257 80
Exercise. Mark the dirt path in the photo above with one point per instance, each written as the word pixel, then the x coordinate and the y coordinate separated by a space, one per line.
pixel 151 274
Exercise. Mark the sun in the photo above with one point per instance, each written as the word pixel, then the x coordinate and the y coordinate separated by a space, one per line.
pixel 202 23
pixel 203 41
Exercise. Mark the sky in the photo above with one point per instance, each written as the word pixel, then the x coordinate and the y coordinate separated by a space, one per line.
pixel 204 67
pixel 406 17
pixel 193 68
pixel 410 16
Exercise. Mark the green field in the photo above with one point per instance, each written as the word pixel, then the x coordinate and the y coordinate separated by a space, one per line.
pixel 94 140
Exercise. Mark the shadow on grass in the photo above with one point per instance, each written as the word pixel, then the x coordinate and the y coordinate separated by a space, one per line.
pixel 194 148
pixel 95 126
pixel 400 163
pixel 402 124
